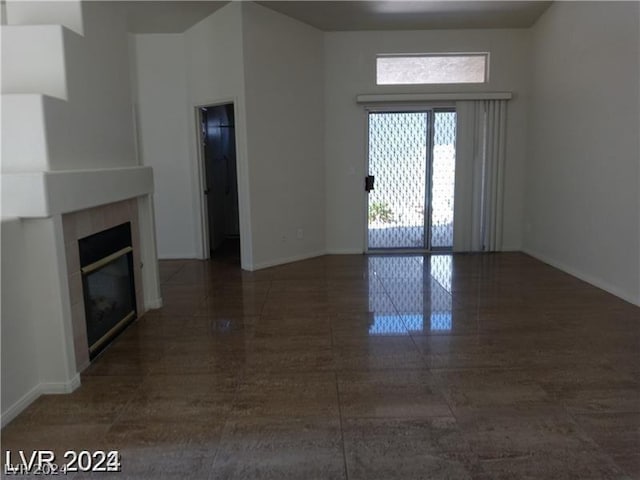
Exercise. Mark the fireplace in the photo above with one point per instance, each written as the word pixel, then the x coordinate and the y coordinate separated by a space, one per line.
pixel 106 261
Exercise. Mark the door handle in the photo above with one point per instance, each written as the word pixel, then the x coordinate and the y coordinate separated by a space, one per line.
pixel 206 192
pixel 369 180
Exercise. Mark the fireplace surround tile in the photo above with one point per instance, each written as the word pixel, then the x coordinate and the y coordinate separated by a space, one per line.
pixel 98 221
pixel 75 288
pixel 80 343
pixel 77 225
pixel 83 224
pixel 69 226
pixel 73 258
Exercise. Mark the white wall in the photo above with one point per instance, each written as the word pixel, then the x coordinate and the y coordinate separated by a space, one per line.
pixel 270 66
pixel 283 61
pixel 68 13
pixel 174 74
pixel 582 199
pixel 19 364
pixel 215 58
pixel 96 130
pixel 37 356
pixel 350 70
pixel 92 127
pixel 161 71
pixel 216 75
pixel 33 59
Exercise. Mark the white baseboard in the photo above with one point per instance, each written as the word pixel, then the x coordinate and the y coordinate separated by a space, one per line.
pixel 14 410
pixel 345 251
pixel 41 389
pixel 596 282
pixel 60 387
pixel 282 261
pixel 178 256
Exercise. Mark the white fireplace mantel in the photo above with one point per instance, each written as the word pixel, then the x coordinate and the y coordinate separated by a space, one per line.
pixel 43 194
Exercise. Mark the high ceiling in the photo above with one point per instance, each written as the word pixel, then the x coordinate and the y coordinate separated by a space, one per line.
pixel 177 16
pixel 168 17
pixel 401 15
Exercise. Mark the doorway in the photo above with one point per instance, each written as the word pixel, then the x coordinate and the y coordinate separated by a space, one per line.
pixel 217 134
pixel 411 157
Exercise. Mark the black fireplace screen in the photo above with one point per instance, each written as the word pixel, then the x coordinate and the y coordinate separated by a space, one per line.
pixel 108 285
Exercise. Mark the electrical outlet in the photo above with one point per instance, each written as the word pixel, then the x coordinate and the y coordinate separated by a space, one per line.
pixel 284 238
pixel 300 234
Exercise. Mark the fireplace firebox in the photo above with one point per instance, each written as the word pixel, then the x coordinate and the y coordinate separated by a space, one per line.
pixel 106 261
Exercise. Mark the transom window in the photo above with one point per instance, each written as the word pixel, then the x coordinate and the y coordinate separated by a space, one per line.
pixel 431 68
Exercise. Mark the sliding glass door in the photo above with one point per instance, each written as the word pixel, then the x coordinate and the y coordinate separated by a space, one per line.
pixel 411 180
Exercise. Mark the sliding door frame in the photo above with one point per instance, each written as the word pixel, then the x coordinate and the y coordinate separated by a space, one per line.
pixel 428 108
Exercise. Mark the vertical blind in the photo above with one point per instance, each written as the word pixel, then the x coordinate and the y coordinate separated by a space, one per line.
pixel 480 159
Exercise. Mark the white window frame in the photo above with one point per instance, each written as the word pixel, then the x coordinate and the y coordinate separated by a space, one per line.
pixel 485 55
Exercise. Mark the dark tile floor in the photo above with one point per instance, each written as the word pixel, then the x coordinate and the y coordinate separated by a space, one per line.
pixel 381 367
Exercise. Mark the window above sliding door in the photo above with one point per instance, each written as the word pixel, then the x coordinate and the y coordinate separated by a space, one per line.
pixel 432 69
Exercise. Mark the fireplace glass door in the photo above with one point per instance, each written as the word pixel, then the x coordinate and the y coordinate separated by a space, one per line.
pixel 109 298
pixel 106 260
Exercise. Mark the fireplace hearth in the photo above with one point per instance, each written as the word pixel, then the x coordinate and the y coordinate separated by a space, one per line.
pixel 106 261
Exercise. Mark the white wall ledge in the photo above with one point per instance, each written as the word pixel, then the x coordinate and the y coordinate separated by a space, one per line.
pixel 43 194
pixel 431 97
